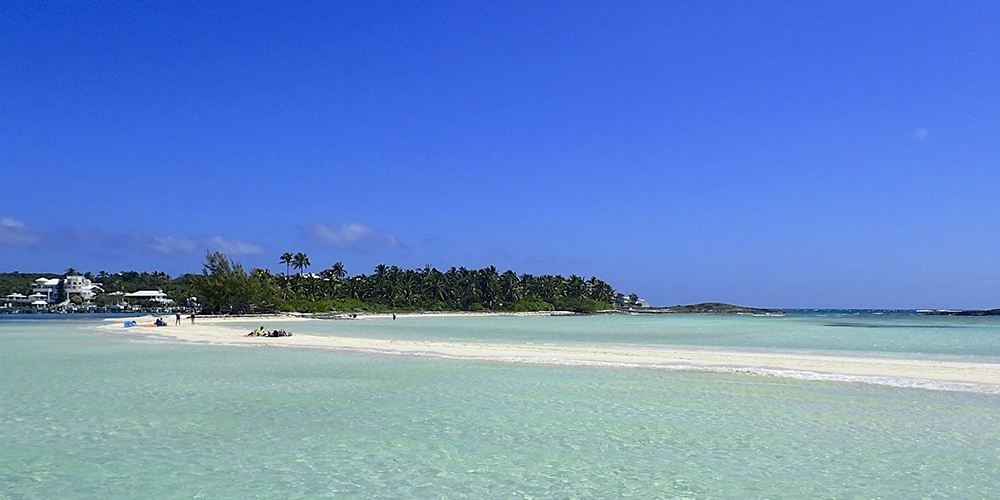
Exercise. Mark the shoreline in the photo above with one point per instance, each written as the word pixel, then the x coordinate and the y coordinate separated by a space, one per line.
pixel 292 316
pixel 898 372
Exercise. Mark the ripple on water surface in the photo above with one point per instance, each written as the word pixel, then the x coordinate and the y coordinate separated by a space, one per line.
pixel 82 416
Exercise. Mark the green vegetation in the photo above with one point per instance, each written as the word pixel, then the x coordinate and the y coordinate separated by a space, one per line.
pixel 20 282
pixel 225 287
pixel 530 305
pixel 300 262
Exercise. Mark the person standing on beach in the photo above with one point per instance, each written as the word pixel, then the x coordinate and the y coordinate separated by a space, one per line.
pixel 177 316
pixel 192 316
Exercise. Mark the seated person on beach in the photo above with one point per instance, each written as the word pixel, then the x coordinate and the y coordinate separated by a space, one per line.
pixel 260 332
pixel 277 333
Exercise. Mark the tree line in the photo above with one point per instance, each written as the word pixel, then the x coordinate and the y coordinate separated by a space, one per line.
pixel 226 287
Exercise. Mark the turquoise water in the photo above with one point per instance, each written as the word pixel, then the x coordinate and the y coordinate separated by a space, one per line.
pixel 896 335
pixel 86 414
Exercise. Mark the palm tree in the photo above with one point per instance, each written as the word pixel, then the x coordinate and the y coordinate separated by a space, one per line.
pixel 509 288
pixel 489 284
pixel 286 259
pixel 470 290
pixel 600 290
pixel 338 271
pixel 575 286
pixel 300 262
pixel 434 286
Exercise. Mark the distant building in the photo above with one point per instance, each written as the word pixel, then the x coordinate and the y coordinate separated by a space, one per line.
pixel 78 285
pixel 149 296
pixel 14 299
pixel 47 289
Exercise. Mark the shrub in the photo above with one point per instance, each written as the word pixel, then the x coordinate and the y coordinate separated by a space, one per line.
pixel 348 305
pixel 531 305
pixel 304 306
pixel 581 304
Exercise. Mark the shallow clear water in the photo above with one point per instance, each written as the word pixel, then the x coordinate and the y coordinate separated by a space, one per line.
pixel 85 414
pixel 902 335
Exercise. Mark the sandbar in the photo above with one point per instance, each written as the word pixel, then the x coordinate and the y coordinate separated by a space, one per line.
pixel 210 330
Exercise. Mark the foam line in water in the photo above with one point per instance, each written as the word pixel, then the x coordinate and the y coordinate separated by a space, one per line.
pixel 901 382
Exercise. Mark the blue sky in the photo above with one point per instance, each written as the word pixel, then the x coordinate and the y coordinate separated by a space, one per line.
pixel 813 154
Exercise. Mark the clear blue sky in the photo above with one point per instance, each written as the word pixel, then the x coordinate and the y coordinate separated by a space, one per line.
pixel 810 154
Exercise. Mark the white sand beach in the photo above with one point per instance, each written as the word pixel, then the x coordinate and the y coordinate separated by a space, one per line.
pixel 212 330
pixel 445 314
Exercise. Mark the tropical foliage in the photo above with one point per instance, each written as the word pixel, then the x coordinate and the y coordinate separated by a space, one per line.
pixel 225 287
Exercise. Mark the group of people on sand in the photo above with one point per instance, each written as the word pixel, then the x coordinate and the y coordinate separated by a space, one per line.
pixel 177 318
pixel 260 332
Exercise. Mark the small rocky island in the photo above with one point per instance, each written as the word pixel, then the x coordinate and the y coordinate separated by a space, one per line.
pixel 706 308
pixel 949 312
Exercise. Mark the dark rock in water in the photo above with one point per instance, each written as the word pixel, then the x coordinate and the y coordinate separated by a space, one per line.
pixel 705 308
pixel 978 312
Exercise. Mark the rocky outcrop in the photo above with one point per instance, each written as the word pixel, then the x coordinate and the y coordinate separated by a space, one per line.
pixel 706 308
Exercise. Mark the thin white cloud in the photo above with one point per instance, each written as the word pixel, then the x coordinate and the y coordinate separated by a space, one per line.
pixel 539 258
pixel 922 134
pixel 234 247
pixel 89 237
pixel 168 245
pixel 351 235
pixel 16 233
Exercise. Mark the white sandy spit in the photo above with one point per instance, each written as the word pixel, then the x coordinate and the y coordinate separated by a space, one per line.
pixel 897 372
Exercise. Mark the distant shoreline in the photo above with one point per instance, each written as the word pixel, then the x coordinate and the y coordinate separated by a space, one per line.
pixel 704 308
pixel 696 309
pixel 295 316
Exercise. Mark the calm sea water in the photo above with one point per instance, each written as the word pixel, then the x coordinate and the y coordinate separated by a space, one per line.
pixel 86 414
pixel 905 335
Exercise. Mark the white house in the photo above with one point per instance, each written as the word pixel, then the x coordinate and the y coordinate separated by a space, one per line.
pixel 78 285
pixel 47 289
pixel 12 299
pixel 149 296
